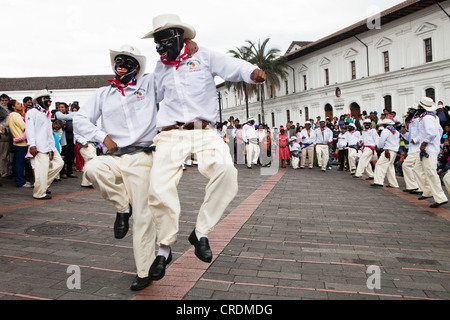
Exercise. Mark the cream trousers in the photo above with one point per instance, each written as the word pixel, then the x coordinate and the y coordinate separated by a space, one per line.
pixel 214 163
pixel 365 163
pixel 323 155
pixel 428 179
pixel 88 154
pixel 352 159
pixel 253 151
pixel 124 181
pixel 310 152
pixel 45 171
pixel 385 168
pixel 408 168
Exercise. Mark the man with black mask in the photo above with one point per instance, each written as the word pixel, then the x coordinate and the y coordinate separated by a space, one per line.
pixel 127 113
pixel 184 120
pixel 47 160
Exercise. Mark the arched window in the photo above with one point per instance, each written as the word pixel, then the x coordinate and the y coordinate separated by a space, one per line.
pixel 430 93
pixel 388 103
pixel 328 111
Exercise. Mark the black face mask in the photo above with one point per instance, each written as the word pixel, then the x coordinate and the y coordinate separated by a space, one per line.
pixel 367 126
pixel 125 68
pixel 45 102
pixel 169 43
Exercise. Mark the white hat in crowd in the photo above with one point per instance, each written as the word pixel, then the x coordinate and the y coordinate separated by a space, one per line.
pixel 388 122
pixel 131 51
pixel 168 21
pixel 428 104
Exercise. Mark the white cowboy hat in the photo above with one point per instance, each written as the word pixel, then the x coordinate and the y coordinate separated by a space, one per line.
pixel 428 104
pixel 388 122
pixel 167 21
pixel 39 94
pixel 292 139
pixel 131 51
pixel 367 121
pixel 351 124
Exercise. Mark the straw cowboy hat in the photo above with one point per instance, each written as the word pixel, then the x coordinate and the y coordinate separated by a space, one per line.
pixel 131 51
pixel 388 122
pixel 168 21
pixel 428 104
pixel 39 94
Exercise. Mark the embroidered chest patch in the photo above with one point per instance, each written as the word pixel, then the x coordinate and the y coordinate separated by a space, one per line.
pixel 140 94
pixel 194 66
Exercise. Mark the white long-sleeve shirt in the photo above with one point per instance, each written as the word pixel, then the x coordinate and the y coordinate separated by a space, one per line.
pixel 413 135
pixel 353 137
pixel 249 132
pixel 306 138
pixel 430 131
pixel 39 131
pixel 325 138
pixel 128 120
pixel 370 137
pixel 342 141
pixel 189 92
pixel 389 140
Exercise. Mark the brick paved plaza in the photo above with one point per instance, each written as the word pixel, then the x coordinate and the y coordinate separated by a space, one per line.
pixel 290 235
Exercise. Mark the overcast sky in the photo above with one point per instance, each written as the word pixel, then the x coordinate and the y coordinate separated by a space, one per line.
pixel 68 37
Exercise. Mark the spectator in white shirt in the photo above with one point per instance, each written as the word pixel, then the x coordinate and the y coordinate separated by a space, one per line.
pixel 307 143
pixel 47 160
pixel 342 146
pixel 251 140
pixel 323 139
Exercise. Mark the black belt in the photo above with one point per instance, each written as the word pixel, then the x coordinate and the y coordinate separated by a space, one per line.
pixel 131 150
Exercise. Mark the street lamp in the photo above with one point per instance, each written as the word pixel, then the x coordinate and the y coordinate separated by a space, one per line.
pixel 219 96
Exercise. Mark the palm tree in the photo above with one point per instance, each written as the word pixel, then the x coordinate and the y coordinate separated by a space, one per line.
pixel 271 62
pixel 242 88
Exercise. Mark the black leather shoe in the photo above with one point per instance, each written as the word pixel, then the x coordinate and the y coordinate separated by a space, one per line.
pixel 376 185
pixel 121 224
pixel 369 178
pixel 423 198
pixel 416 192
pixel 410 190
pixel 140 283
pixel 47 197
pixel 437 205
pixel 202 249
pixel 158 268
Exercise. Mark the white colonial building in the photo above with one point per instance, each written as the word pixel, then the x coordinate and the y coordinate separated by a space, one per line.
pixel 387 61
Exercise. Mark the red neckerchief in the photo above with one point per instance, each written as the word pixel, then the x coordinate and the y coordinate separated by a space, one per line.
pixel 183 56
pixel 119 85
pixel 39 108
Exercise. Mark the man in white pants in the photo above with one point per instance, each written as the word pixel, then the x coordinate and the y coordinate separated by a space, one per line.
pixel 430 133
pixel 47 160
pixel 323 138
pixel 353 138
pixel 412 160
pixel 127 110
pixel 184 120
pixel 307 143
pixel 369 140
pixel 251 141
pixel 390 143
pixel 294 148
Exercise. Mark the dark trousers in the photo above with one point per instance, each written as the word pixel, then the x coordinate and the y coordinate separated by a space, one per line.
pixel 343 156
pixel 19 167
pixel 68 151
